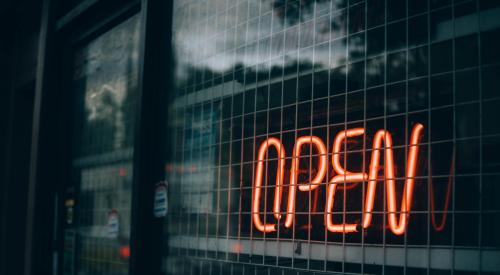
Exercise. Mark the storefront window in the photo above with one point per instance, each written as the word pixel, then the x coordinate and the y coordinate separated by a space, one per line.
pixel 341 136
pixel 98 202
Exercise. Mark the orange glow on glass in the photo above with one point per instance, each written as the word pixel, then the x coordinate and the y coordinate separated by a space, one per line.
pixel 349 186
pixel 125 251
pixel 343 176
pixel 322 164
pixel 315 201
pixel 259 175
pixel 439 227
pixel 337 144
pixel 294 173
pixel 397 227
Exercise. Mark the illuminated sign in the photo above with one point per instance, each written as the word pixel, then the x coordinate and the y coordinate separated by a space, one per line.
pixel 382 143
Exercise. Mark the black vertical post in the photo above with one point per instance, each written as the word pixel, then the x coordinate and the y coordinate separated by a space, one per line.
pixel 43 169
pixel 151 138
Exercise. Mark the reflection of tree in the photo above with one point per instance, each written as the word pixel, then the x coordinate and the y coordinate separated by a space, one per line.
pixel 296 12
pixel 289 13
pixel 242 73
pixel 110 78
pixel 343 63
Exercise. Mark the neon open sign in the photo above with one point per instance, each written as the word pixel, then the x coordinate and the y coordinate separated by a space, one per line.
pixel 382 143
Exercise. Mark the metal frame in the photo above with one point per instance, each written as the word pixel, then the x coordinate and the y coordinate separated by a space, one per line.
pixel 49 170
pixel 151 125
pixel 40 171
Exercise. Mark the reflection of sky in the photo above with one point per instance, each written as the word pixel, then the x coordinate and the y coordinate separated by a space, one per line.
pixel 201 43
pixel 106 73
pixel 105 66
pixel 268 34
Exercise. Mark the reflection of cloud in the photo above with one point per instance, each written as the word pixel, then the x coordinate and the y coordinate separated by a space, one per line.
pixel 216 36
pixel 105 104
pixel 240 35
pixel 101 102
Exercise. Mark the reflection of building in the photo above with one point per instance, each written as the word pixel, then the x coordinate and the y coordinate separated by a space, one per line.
pixel 106 99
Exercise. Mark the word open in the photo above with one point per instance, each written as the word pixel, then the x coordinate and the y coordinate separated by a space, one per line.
pixel 382 143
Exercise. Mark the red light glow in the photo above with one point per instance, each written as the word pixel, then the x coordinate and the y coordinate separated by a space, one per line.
pixel 125 251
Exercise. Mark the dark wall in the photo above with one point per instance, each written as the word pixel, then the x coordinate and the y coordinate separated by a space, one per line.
pixel 18 51
pixel 5 87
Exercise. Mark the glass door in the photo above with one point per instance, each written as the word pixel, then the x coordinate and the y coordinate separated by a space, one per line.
pixel 98 199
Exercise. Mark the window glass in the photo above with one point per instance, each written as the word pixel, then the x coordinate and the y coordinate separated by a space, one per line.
pixel 98 198
pixel 315 89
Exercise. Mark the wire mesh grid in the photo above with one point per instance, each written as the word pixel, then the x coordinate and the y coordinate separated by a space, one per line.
pixel 249 71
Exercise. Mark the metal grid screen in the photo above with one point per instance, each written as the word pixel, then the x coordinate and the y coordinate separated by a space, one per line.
pixel 289 95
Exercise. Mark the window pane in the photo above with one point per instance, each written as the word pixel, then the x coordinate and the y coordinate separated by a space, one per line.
pixel 352 84
pixel 99 197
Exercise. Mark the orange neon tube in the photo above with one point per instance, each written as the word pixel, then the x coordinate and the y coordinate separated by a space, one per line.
pixel 259 175
pixel 397 227
pixel 343 176
pixel 294 173
pixel 322 164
